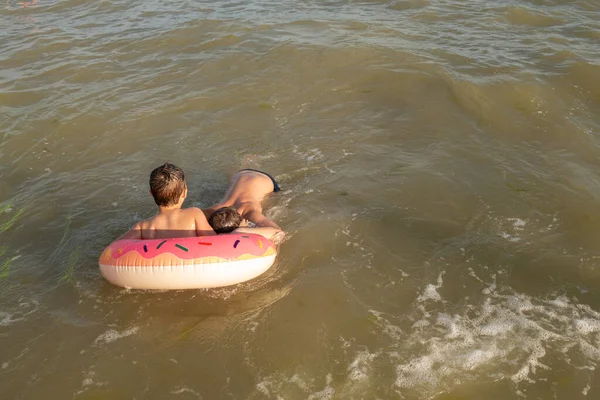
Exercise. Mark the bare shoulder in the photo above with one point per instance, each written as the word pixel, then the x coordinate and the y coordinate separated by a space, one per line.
pixel 146 227
pixel 203 228
pixel 134 233
pixel 143 224
pixel 195 211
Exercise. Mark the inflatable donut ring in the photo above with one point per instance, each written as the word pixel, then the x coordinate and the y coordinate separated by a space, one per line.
pixel 187 263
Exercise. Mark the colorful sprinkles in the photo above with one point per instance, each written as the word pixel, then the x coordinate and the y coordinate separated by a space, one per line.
pixel 147 246
pixel 181 247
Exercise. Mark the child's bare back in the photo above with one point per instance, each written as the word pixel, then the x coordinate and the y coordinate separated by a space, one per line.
pixel 175 223
pixel 168 187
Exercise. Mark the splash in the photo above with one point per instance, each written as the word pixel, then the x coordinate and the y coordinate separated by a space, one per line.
pixel 510 333
pixel 112 335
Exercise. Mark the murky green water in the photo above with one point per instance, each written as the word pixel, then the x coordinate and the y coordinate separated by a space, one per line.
pixel 439 163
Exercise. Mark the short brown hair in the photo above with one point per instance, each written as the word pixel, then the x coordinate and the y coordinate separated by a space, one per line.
pixel 225 220
pixel 167 184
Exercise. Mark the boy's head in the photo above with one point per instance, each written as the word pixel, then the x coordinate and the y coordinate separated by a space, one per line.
pixel 167 185
pixel 225 220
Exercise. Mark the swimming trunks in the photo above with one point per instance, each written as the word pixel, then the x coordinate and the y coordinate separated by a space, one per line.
pixel 276 187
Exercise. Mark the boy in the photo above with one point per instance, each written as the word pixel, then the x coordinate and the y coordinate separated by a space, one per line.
pixel 227 220
pixel 169 190
pixel 247 190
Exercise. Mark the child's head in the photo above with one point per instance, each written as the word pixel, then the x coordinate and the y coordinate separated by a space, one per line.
pixel 167 185
pixel 225 220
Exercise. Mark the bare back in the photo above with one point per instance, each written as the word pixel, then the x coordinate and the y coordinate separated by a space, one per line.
pixel 246 192
pixel 179 222
pixel 247 189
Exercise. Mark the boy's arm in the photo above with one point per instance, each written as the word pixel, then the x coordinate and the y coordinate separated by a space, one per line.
pixel 267 232
pixel 203 228
pixel 134 233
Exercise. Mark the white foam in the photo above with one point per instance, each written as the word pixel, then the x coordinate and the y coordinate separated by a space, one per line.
pixel 518 223
pixel 89 381
pixel 587 325
pixel 504 335
pixel 111 335
pixel 263 387
pixel 511 231
pixel 326 393
pixel 299 382
pixel 509 332
pixel 345 343
pixel 388 328
pixel 252 326
pixel 275 212
pixel 509 237
pixel 430 292
pixel 478 357
pixel 6 319
pixel 415 372
pixel 309 155
pixel 359 369
pixel 186 390
pixel 276 385
pixel 496 328
pixel 586 389
pixel 421 323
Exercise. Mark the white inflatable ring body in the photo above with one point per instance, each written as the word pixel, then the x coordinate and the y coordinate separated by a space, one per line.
pixel 187 263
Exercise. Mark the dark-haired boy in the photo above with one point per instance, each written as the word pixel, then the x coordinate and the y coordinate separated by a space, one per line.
pixel 169 190
pixel 227 220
